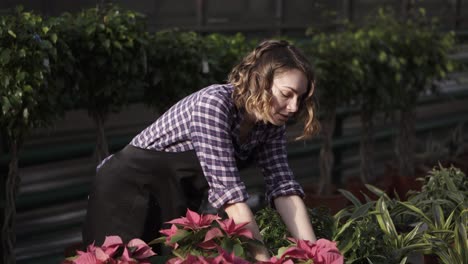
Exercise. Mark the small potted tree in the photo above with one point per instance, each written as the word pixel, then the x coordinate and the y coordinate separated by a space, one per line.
pixel 109 45
pixel 30 96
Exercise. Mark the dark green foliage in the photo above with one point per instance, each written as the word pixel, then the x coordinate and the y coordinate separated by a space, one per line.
pixel 30 96
pixel 180 63
pixel 275 234
pixel 110 61
pixel 175 67
pixel 223 52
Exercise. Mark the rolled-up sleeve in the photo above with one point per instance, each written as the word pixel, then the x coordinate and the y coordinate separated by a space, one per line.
pixel 273 162
pixel 211 138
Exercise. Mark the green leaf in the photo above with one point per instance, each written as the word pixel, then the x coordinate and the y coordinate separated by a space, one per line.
pixel 343 228
pixel 5 57
pixel 238 250
pixel 117 44
pixel 411 235
pixel 5 81
pixel 384 219
pixel 106 44
pixel 376 191
pixel 27 88
pixel 53 37
pixel 159 240
pixel 11 33
pixel 362 211
pixel 45 29
pixel 6 105
pixel 403 261
pixel 350 197
pixel 179 235
pixel 26 114
pixel 417 211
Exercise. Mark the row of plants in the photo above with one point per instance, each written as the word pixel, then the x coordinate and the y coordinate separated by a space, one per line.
pixel 206 238
pixel 383 67
pixel 98 59
pixel 431 223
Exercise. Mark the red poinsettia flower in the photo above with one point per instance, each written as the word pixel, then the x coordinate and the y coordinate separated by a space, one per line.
pixel 233 229
pixel 194 221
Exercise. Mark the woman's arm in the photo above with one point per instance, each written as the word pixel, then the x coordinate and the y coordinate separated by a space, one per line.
pixel 241 213
pixel 294 214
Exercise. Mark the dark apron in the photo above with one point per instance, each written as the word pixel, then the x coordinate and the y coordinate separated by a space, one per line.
pixel 137 190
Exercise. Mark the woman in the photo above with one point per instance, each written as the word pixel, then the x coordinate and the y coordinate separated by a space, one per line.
pixel 205 134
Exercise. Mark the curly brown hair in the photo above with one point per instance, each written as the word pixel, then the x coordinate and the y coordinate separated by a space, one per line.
pixel 253 79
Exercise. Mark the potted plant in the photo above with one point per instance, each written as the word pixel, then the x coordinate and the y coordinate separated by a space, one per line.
pixel 411 65
pixel 441 205
pixel 339 74
pixel 207 238
pixel 30 96
pixel 113 250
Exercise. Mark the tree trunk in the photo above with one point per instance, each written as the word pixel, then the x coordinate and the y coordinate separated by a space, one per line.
pixel 326 152
pixel 405 149
pixel 102 148
pixel 367 146
pixel 9 217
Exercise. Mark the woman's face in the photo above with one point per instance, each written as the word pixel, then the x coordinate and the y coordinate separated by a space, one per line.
pixel 288 88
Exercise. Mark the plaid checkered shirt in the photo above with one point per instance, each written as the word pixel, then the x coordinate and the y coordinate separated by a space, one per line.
pixel 208 122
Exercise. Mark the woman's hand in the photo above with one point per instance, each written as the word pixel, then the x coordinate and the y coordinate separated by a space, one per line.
pixel 294 214
pixel 241 213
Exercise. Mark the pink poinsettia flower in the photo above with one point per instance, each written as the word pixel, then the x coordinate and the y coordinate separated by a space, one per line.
pixel 112 244
pixel 209 241
pixel 190 259
pixel 225 257
pixel 86 258
pixel 194 221
pixel 323 251
pixel 233 229
pixel 288 256
pixel 93 255
pixel 295 253
pixel 326 252
pixel 139 249
pixel 169 233
pixel 275 260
